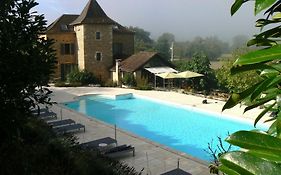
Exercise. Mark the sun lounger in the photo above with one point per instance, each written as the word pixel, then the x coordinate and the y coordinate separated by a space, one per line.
pixel 119 151
pixel 58 123
pixel 42 110
pixel 69 128
pixel 49 115
pixel 95 143
pixel 177 171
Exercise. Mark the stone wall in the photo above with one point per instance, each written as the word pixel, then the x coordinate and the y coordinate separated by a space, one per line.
pixel 92 46
pixel 60 38
pixel 127 41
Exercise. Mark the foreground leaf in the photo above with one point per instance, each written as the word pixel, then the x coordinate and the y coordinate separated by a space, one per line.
pixel 262 4
pixel 263 113
pixel 255 141
pixel 237 4
pixel 259 56
pixel 235 98
pixel 247 164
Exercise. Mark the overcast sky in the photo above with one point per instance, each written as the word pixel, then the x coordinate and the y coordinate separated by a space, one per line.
pixel 185 19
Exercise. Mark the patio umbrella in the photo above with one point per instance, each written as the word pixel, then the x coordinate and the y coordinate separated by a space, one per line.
pixel 167 75
pixel 188 74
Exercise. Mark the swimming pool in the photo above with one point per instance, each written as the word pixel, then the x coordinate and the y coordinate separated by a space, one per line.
pixel 180 128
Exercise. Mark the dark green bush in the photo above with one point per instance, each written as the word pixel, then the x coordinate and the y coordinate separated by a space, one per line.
pixel 142 84
pixel 65 84
pixel 83 77
pixel 110 83
pixel 129 80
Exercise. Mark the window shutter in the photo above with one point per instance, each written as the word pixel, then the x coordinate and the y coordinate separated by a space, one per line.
pixel 62 49
pixel 72 49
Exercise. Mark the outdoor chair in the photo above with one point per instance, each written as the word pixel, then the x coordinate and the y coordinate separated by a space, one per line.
pixel 59 123
pixel 119 151
pixel 69 128
pixel 95 144
pixel 176 171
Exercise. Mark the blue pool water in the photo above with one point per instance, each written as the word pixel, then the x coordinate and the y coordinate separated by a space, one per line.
pixel 181 129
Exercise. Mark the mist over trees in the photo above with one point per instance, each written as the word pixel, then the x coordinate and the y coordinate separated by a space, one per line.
pixel 211 46
pixel 163 44
pixel 143 42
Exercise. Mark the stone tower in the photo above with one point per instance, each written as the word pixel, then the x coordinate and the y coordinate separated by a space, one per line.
pixel 94 34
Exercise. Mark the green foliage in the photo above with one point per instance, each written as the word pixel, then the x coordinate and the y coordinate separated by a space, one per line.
pixel 110 83
pixel 143 42
pixel 262 157
pixel 238 42
pixel 200 64
pixel 81 77
pixel 65 84
pixel 215 153
pixel 238 82
pixel 142 84
pixel 261 151
pixel 28 146
pixel 163 45
pixel 26 63
pixel 212 47
pixel 129 80
pixel 40 151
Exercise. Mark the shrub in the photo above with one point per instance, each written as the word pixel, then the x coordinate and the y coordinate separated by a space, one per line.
pixel 65 84
pixel 142 84
pixel 83 77
pixel 129 80
pixel 110 83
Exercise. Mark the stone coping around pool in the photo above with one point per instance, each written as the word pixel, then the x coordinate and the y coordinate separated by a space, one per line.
pixel 182 154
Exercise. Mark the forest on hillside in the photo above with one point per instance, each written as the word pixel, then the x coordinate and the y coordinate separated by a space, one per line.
pixel 211 46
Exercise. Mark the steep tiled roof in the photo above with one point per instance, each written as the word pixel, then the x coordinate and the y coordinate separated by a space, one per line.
pixel 93 14
pixel 62 24
pixel 121 29
pixel 137 61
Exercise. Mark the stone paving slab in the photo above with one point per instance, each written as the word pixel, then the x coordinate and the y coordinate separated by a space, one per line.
pixel 153 158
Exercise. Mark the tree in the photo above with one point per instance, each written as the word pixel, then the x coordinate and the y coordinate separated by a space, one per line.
pixel 143 42
pixel 212 47
pixel 261 151
pixel 239 41
pixel 28 145
pixel 26 63
pixel 238 82
pixel 164 43
pixel 199 63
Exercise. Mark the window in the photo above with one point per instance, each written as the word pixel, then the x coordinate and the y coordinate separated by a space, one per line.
pixel 98 36
pixel 67 49
pixel 98 56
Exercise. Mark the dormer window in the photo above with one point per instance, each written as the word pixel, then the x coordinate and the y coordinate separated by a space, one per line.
pixel 98 36
pixel 64 27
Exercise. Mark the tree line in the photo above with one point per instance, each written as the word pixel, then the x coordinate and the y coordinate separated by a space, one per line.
pixel 211 46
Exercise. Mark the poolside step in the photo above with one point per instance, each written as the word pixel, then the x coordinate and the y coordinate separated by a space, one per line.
pixel 124 96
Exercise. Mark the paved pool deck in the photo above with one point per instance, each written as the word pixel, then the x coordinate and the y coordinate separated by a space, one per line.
pixel 152 157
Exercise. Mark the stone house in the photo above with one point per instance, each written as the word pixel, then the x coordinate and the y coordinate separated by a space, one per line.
pixel 142 65
pixel 90 41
